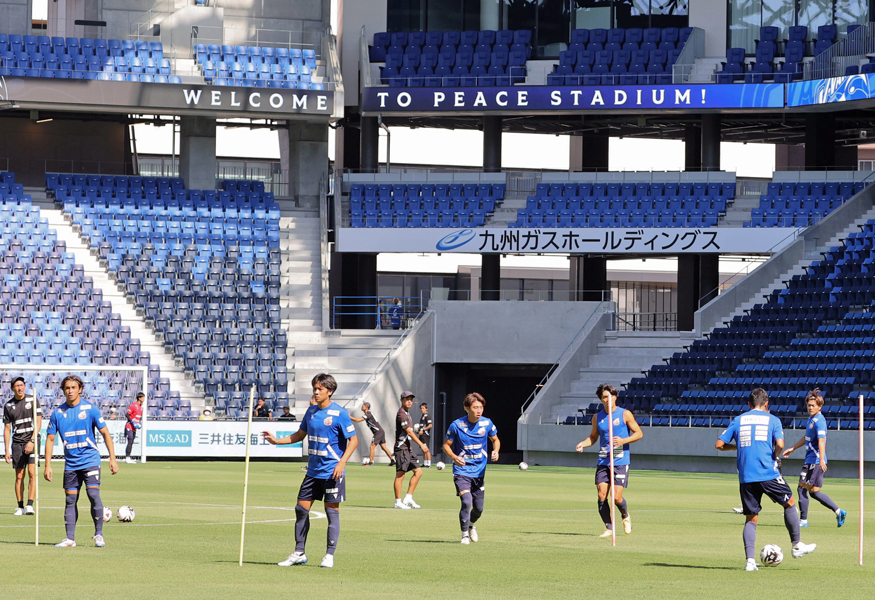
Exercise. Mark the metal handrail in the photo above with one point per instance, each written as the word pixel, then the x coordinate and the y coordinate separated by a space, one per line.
pixel 693 48
pixel 848 51
pixel 364 63
pixel 597 313
pixel 647 321
pixel 325 253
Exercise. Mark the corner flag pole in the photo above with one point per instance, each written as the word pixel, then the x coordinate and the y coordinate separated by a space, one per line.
pixel 611 475
pixel 861 480
pixel 246 472
pixel 36 474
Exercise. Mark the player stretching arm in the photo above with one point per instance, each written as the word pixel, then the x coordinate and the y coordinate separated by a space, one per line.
pixel 331 441
pixel 405 459
pixel 811 477
pixel 759 438
pixel 626 431
pixel 379 438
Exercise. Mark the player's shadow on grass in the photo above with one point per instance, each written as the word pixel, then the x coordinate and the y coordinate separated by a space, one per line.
pixel 558 533
pixel 28 543
pixel 688 566
pixel 425 541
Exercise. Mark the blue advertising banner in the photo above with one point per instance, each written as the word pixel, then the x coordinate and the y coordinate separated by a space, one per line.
pixel 573 98
pixel 834 89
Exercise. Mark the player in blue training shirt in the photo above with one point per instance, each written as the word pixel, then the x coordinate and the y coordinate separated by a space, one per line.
pixel 75 422
pixel 466 446
pixel 811 477
pixel 331 440
pixel 626 431
pixel 759 439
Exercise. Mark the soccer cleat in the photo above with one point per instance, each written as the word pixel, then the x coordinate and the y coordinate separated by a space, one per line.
pixel 627 525
pixel 130 461
pixel 28 510
pixel 737 510
pixel 296 558
pixel 99 541
pixel 411 503
pixel 751 565
pixel 840 517
pixel 328 561
pixel 466 539
pixel 66 543
pixel 392 463
pixel 606 533
pixel 803 523
pixel 400 504
pixel 18 512
pixel 472 533
pixel 799 549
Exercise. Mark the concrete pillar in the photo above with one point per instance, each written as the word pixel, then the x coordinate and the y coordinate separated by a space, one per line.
pixel 688 290
pixel 588 277
pixel 820 139
pixel 370 145
pixel 307 158
pixel 709 278
pixel 490 276
pixel 492 144
pixel 347 142
pixel 710 142
pixel 692 147
pixel 197 152
pixel 588 153
pixel 789 157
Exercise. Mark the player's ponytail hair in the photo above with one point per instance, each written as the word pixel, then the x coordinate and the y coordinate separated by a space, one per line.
pixel 816 396
pixel 474 397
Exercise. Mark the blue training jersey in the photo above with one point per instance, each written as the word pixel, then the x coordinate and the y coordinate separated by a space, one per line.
pixel 469 442
pixel 327 430
pixel 76 425
pixel 816 430
pixel 621 455
pixel 755 433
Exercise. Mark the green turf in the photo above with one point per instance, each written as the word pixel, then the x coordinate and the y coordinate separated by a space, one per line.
pixel 538 539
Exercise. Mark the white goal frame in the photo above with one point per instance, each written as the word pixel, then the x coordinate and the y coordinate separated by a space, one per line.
pixel 16 370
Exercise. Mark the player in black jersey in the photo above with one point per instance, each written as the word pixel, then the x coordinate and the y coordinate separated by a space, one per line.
pixel 423 429
pixel 21 444
pixel 379 435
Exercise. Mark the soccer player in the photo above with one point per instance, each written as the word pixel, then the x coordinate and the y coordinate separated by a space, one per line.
pixel 75 422
pixel 424 431
pixel 379 438
pixel 133 416
pixel 21 445
pixel 331 441
pixel 759 438
pixel 466 447
pixel 811 478
pixel 405 459
pixel 626 431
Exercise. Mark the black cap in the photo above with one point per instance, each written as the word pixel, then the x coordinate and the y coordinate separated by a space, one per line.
pixel 16 380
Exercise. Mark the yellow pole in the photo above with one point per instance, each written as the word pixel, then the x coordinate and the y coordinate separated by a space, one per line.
pixel 36 467
pixel 246 473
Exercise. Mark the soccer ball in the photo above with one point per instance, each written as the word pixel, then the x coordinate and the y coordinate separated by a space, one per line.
pixel 440 466
pixel 771 555
pixel 365 461
pixel 126 514
pixel 524 466
pixel 416 428
pixel 107 514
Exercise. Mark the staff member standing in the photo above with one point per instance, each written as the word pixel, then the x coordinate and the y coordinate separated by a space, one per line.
pixel 22 443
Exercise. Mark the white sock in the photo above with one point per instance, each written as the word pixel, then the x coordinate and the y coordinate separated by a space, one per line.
pixel 838 511
pixel 408 497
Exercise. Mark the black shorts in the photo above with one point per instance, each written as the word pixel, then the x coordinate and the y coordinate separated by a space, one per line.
pixel 332 490
pixel 811 475
pixel 751 493
pixel 475 485
pixel 379 438
pixel 405 460
pixel 130 434
pixel 73 480
pixel 425 438
pixel 621 475
pixel 20 460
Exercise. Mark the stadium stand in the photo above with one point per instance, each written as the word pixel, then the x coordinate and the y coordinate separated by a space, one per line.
pixel 815 332
pixel 452 58
pixel 620 56
pixel 802 203
pixel 84 58
pixel 202 266
pixel 258 66
pixel 53 315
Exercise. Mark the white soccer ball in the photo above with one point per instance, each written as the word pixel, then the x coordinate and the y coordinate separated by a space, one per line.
pixel 126 514
pixel 440 466
pixel 107 514
pixel 771 555
pixel 524 466
pixel 365 461
pixel 416 428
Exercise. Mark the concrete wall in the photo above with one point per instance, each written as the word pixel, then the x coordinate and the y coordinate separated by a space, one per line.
pixel 351 16
pixel 688 449
pixel 507 332
pixel 304 154
pixel 15 16
pixel 412 369
pixel 710 15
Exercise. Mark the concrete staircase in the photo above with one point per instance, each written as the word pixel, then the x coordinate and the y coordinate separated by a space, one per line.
pixel 704 69
pixel 87 257
pixel 739 211
pixel 506 212
pixel 620 357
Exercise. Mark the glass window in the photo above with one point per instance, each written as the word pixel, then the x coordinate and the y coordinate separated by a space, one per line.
pixel 814 13
pixel 510 289
pixel 745 18
pixel 848 12
pixel 553 18
pixel 403 15
pixel 592 14
pixel 536 290
pixel 559 290
pixel 780 14
pixel 445 15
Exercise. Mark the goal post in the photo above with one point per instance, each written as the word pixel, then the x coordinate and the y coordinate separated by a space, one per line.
pixel 105 386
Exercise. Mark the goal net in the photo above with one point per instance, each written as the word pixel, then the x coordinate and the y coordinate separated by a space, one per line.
pixel 111 388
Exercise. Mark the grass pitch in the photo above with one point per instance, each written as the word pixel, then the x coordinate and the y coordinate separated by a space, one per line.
pixel 538 539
